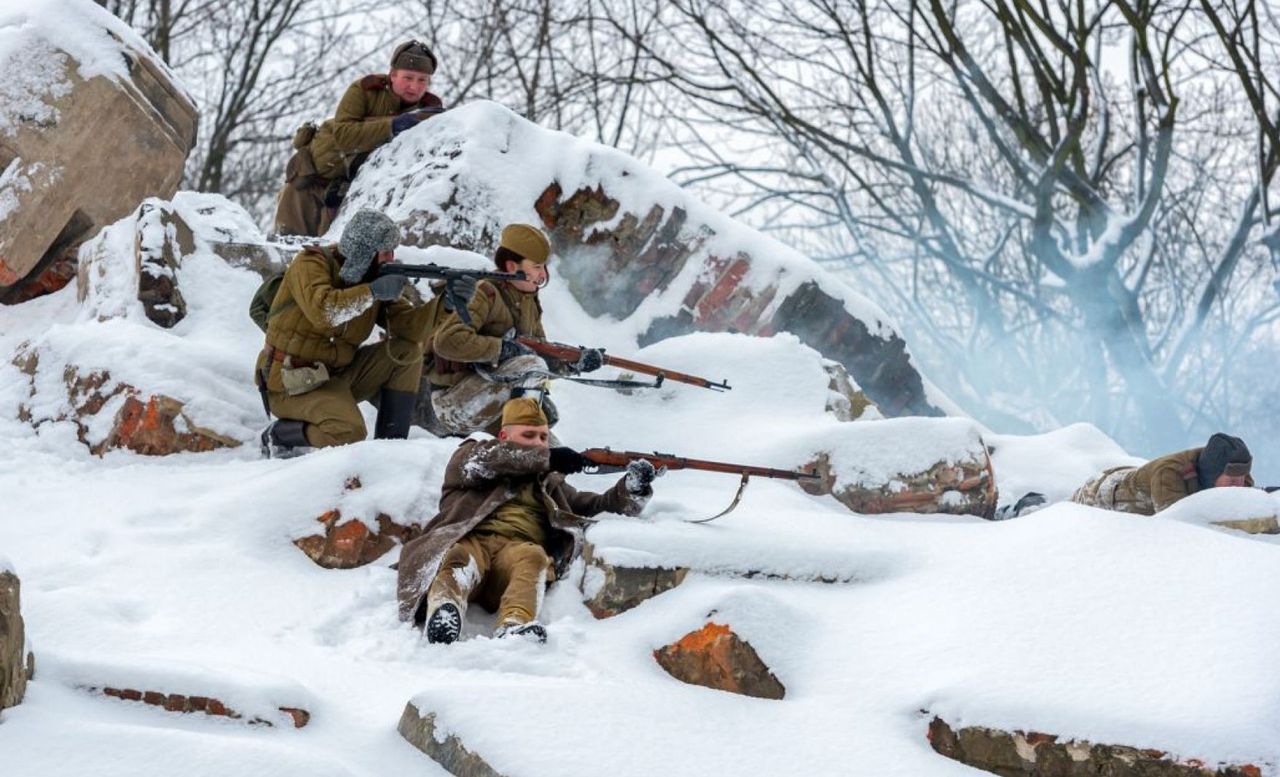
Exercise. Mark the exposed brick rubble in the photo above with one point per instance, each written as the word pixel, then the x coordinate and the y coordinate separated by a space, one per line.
pixel 176 702
pixel 153 425
pixel 350 544
pixel 17 665
pixel 1033 754
pixel 161 240
pixel 954 487
pixel 715 657
pixel 420 731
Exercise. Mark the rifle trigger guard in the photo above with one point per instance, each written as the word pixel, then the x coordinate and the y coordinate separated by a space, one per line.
pixel 742 486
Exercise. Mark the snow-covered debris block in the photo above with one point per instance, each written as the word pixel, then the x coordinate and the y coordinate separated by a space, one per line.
pixel 420 730
pixel 231 692
pixel 17 664
pixel 907 465
pixel 609 589
pixel 115 282
pixel 630 244
pixel 715 657
pixel 1249 510
pixel 91 122
pixel 352 543
pixel 1033 754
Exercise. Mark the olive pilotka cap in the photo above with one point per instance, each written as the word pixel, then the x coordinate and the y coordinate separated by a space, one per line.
pixel 414 56
pixel 526 241
pixel 523 411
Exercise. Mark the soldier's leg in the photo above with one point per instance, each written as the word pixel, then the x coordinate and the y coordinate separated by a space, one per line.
pixel 461 573
pixel 474 404
pixel 300 211
pixel 329 411
pixel 518 577
pixel 394 364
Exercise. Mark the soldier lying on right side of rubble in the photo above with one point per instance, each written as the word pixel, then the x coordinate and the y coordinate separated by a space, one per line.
pixel 1146 490
pixel 508 526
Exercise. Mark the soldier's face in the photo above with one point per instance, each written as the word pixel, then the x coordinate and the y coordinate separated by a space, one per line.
pixel 530 436
pixel 536 275
pixel 1224 479
pixel 409 85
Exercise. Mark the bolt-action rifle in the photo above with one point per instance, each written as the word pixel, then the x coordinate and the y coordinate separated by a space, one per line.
pixel 435 272
pixel 606 461
pixel 571 353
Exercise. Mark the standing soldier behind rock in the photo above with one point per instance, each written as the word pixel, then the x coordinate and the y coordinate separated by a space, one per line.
pixel 478 366
pixel 508 525
pixel 1146 490
pixel 316 367
pixel 372 111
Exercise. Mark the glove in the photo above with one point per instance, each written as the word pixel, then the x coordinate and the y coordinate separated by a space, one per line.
pixel 569 461
pixel 387 288
pixel 462 289
pixel 512 348
pixel 591 359
pixel 404 121
pixel 640 474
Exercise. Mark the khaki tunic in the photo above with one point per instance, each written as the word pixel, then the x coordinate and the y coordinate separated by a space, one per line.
pixel 495 309
pixel 482 476
pixel 320 320
pixel 361 123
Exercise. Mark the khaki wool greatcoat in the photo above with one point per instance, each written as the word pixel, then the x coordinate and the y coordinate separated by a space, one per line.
pixel 1144 490
pixel 483 475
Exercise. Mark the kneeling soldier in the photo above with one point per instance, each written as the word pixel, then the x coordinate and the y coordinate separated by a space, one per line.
pixel 316 367
pixel 508 525
pixel 1223 461
pixel 478 366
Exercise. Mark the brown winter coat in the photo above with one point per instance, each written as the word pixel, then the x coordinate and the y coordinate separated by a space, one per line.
pixel 318 318
pixel 494 309
pixel 361 124
pixel 478 480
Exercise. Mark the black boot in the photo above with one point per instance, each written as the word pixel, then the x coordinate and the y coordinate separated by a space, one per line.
pixel 395 414
pixel 284 439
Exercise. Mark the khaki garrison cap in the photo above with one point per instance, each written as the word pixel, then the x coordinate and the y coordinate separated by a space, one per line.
pixel 527 241
pixel 523 411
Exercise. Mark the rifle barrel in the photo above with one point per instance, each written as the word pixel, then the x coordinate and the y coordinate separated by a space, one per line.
pixel 619 459
pixel 571 353
pixel 438 272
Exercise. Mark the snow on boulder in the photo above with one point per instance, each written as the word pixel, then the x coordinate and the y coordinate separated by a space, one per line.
pixel 17 664
pixel 1033 754
pixel 419 728
pixel 715 657
pixel 1249 510
pixel 91 122
pixel 231 692
pixel 631 245
pixel 139 364
pixel 351 543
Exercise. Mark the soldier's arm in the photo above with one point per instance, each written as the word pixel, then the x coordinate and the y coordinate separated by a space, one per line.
pixel 407 321
pixel 616 500
pixel 493 459
pixel 459 342
pixel 324 305
pixel 1167 487
pixel 353 127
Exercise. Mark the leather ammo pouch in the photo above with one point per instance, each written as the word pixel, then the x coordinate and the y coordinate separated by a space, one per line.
pixel 300 380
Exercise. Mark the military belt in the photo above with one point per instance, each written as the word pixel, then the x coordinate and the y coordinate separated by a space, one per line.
pixel 275 354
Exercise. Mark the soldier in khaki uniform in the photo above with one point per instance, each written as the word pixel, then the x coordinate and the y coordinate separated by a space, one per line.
pixel 477 367
pixel 1146 490
pixel 315 363
pixel 372 111
pixel 508 525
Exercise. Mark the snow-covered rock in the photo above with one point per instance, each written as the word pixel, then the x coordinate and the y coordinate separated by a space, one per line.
pixel 716 657
pixel 16 660
pixel 91 122
pixel 631 245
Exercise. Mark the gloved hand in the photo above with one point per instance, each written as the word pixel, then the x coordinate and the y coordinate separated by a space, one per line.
pixel 510 347
pixel 640 474
pixel 404 122
pixel 387 288
pixel 461 289
pixel 591 359
pixel 569 461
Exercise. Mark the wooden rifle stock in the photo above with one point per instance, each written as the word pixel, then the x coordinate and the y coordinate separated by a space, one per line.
pixel 609 460
pixel 571 353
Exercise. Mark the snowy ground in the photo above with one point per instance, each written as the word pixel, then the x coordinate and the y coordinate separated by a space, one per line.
pixel 179 573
